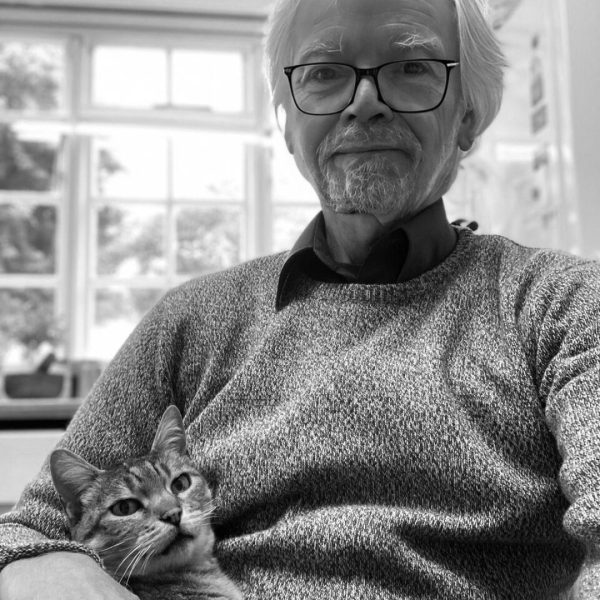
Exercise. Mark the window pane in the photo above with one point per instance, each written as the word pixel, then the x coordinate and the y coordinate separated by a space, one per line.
pixel 288 184
pixel 32 76
pixel 208 168
pixel 28 162
pixel 130 167
pixel 131 240
pixel 208 80
pixel 207 239
pixel 288 224
pixel 127 77
pixel 117 311
pixel 28 325
pixel 27 239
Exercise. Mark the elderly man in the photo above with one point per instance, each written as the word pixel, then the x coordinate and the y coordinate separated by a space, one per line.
pixel 395 409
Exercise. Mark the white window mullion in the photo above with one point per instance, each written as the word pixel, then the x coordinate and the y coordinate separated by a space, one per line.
pixel 258 164
pixel 171 224
pixel 81 247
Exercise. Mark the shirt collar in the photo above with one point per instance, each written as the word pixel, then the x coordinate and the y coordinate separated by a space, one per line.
pixel 428 239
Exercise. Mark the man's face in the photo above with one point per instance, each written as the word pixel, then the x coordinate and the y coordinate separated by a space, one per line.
pixel 369 159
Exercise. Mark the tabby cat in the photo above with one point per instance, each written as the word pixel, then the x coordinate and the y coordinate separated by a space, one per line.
pixel 148 518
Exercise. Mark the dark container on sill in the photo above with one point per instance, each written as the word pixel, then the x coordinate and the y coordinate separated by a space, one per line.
pixel 34 385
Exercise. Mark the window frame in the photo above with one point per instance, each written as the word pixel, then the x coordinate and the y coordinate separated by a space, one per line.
pixel 80 30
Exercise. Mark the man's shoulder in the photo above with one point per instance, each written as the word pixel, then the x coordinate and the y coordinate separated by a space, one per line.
pixel 516 261
pixel 250 279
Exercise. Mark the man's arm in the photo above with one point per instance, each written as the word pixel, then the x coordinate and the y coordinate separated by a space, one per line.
pixel 562 332
pixel 117 420
pixel 59 575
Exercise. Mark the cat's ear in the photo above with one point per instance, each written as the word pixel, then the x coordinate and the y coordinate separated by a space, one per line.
pixel 71 475
pixel 170 434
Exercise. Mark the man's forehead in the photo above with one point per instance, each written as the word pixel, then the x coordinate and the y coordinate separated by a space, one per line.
pixel 339 40
pixel 346 25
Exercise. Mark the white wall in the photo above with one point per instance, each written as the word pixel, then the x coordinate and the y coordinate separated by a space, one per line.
pixel 22 454
pixel 583 19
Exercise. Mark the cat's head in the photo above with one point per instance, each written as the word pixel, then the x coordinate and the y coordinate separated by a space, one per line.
pixel 145 515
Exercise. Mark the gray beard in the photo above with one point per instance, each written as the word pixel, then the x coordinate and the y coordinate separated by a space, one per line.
pixel 373 186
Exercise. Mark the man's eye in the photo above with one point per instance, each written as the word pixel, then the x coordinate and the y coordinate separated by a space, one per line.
pixel 181 483
pixel 125 508
pixel 414 68
pixel 324 74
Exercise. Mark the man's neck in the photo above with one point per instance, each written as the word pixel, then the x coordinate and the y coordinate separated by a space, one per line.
pixel 351 236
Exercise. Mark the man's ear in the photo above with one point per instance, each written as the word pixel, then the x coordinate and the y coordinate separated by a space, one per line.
pixel 466 131
pixel 283 121
pixel 288 140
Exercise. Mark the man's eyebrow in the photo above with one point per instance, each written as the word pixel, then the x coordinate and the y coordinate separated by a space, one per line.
pixel 415 41
pixel 320 47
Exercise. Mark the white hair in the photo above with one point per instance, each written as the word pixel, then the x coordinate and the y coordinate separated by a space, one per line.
pixel 482 61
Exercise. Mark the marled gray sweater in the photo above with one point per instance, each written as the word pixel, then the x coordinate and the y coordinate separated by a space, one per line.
pixel 437 438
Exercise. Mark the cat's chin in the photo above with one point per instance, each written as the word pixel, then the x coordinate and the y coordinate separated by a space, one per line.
pixel 184 551
pixel 178 544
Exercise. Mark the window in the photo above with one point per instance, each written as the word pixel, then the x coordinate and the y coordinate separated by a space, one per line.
pixel 130 164
pixel 31 197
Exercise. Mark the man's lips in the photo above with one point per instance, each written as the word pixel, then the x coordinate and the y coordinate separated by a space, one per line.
pixel 344 157
pixel 362 150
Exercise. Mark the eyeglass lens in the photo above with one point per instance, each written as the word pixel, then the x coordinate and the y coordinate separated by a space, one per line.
pixel 406 86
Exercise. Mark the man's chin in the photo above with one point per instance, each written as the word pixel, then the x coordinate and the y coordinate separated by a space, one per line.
pixel 346 210
pixel 389 210
pixel 366 204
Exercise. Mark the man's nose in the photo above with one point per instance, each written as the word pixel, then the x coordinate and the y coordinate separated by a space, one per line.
pixel 366 104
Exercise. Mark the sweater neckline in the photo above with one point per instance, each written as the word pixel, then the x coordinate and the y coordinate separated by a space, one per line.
pixel 304 287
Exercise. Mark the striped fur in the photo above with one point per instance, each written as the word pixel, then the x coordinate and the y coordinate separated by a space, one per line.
pixel 163 540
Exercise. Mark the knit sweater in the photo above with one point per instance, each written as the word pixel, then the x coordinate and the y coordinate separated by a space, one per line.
pixel 436 438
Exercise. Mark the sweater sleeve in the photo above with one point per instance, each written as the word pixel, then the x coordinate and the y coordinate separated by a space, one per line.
pixel 562 319
pixel 117 420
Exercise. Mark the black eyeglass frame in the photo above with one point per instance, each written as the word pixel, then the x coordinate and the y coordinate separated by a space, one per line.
pixel 374 73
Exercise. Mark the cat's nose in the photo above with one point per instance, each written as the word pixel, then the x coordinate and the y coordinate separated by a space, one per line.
pixel 172 516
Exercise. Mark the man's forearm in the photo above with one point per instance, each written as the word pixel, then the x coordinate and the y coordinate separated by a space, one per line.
pixel 59 576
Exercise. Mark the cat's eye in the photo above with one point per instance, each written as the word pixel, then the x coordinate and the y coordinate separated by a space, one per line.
pixel 181 483
pixel 124 508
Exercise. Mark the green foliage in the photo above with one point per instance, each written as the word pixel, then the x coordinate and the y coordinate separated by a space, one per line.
pixel 27 317
pixel 27 239
pixel 29 75
pixel 29 80
pixel 208 240
pixel 25 165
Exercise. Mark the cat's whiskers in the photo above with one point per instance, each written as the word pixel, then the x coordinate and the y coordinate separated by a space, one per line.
pixel 149 555
pixel 201 518
pixel 195 524
pixel 109 549
pixel 147 550
pixel 138 557
pixel 207 509
pixel 136 549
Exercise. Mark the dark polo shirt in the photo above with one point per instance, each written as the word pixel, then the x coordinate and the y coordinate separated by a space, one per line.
pixel 413 247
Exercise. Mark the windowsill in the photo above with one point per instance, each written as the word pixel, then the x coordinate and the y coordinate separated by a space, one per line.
pixel 45 409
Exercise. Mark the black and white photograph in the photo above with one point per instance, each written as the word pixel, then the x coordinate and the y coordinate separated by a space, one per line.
pixel 299 300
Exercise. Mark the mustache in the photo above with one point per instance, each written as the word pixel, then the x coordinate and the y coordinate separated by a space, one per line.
pixel 355 135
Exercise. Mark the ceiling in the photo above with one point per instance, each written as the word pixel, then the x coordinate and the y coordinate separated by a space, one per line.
pixel 257 8
pixel 223 7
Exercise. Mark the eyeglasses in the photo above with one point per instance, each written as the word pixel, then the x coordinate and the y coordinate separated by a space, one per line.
pixel 406 86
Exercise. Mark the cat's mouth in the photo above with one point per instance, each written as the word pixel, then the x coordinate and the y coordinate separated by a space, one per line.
pixel 177 543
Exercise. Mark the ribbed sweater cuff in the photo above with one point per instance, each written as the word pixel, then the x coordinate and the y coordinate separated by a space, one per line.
pixel 8 555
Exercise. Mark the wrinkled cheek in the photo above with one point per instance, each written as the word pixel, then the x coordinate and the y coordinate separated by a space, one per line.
pixel 308 167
